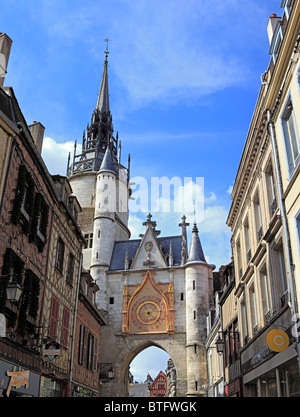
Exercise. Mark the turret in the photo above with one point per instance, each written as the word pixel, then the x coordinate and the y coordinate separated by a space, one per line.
pixel 104 230
pixel 198 287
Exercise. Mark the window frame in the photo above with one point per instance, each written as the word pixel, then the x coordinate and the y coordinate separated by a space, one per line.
pixel 292 163
pixel 59 258
pixel 70 269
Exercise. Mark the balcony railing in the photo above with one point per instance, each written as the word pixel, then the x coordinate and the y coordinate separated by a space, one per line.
pixel 259 233
pixel 234 370
pixel 249 255
pixel 267 316
pixel 284 299
pixel 273 206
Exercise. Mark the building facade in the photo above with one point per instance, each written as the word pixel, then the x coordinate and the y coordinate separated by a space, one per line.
pixel 60 298
pixel 87 374
pixel 263 221
pixel 158 387
pixel 26 208
pixel 40 260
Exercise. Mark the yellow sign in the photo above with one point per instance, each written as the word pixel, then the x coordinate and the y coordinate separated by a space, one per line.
pixel 277 340
pixel 17 379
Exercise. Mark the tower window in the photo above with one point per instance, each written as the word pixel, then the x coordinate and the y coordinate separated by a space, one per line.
pixel 181 296
pixel 111 300
pixel 194 285
pixel 194 315
pixel 88 240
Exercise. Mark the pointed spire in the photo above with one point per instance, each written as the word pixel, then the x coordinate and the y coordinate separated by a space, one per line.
pixel 107 162
pixel 196 251
pixel 103 96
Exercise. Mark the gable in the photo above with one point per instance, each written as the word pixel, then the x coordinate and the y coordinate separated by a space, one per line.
pixel 149 253
pixel 131 247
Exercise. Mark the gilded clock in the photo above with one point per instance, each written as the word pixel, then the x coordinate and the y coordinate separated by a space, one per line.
pixel 148 314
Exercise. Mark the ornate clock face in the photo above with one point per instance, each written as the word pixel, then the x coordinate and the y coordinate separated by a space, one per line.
pixel 148 314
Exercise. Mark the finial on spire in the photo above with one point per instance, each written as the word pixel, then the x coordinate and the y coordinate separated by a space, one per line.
pixel 106 50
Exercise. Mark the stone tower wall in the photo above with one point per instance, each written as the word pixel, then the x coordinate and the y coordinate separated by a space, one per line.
pixel 197 302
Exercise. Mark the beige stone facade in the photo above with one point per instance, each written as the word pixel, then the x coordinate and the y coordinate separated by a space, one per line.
pixel 263 219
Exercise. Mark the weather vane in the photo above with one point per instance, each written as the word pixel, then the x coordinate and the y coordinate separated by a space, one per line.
pixel 106 50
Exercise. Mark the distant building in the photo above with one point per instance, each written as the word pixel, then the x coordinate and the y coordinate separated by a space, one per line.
pixel 158 388
pixel 141 389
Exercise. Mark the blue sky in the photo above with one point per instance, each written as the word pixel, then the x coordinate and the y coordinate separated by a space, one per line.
pixel 183 79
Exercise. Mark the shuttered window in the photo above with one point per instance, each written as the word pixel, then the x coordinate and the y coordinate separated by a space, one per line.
pixel 65 327
pixel 53 317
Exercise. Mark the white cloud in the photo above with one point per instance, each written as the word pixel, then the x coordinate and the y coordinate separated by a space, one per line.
pixel 211 220
pixel 229 191
pixel 55 155
pixel 162 51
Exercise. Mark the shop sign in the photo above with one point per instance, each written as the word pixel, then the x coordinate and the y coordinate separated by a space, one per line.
pixel 261 356
pixel 51 353
pixel 277 340
pixel 18 379
pixel 15 378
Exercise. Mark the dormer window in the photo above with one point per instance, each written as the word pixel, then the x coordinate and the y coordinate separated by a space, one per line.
pixel 287 5
pixel 276 41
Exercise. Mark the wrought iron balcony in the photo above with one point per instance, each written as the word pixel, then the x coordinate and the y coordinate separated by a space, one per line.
pixel 260 233
pixel 273 206
pixel 249 255
pixel 284 299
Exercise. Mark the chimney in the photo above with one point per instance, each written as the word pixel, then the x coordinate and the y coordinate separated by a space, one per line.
pixel 5 45
pixel 272 25
pixel 37 133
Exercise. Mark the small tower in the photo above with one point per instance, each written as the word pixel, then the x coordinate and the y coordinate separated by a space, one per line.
pixel 104 230
pixel 198 286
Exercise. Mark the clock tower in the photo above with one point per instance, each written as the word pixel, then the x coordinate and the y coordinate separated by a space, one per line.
pixel 153 291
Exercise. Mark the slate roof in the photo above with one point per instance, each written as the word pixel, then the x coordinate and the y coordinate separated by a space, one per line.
pixel 119 251
pixel 103 96
pixel 196 251
pixel 107 162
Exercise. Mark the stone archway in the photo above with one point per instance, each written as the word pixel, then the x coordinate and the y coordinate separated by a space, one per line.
pixel 134 345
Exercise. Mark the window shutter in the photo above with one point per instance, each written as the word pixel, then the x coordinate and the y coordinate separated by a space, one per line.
pixel 53 317
pixel 81 344
pixel 95 358
pixel 65 327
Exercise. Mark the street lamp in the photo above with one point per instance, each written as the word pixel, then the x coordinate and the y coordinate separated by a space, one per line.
pixel 220 343
pixel 13 291
pixel 220 346
pixel 111 373
pixel 106 375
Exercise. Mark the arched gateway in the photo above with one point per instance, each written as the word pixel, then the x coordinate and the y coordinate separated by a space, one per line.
pixel 153 290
